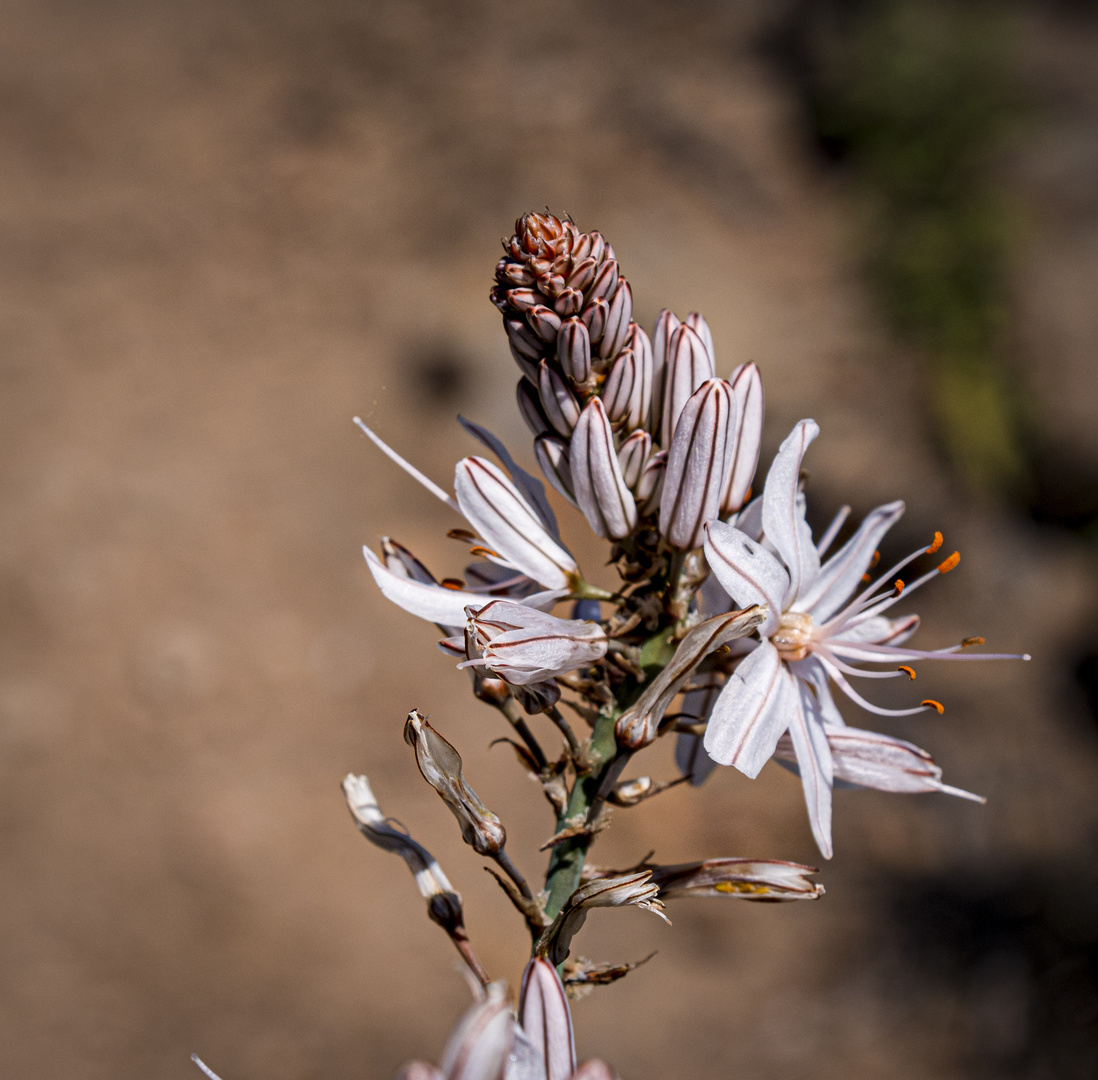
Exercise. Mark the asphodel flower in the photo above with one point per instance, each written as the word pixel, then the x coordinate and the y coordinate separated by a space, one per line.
pixel 821 623
pixel 600 489
pixel 522 645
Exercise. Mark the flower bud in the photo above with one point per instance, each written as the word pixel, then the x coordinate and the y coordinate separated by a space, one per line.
pixel 697 323
pixel 601 492
pixel 440 765
pixel 574 349
pixel 523 645
pixel 747 388
pixel 481 1044
pixel 552 455
pixel 525 299
pixel 569 302
pixel 622 393
pixel 698 462
pixel 618 319
pixel 605 281
pixel 583 273
pixel 544 321
pixel 650 486
pixel 546 1019
pixel 633 456
pixel 558 401
pixel 666 325
pixel 594 315
pixel 551 284
pixel 688 366
pixel 529 405
pixel 523 341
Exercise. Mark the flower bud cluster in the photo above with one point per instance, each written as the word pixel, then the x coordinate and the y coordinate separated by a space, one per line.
pixel 639 433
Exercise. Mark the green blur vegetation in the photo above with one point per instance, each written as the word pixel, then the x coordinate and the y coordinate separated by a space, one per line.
pixel 911 96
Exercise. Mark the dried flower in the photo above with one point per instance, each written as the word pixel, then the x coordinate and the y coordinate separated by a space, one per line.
pixel 440 765
pixel 766 880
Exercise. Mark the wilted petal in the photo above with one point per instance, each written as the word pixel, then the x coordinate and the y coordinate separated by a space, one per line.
pixel 752 712
pixel 546 1019
pixel 574 349
pixel 508 524
pixel 554 461
pixel 601 492
pixel 814 758
pixel 688 366
pixel 782 511
pixel 842 574
pixel 746 571
pixel 557 399
pixel 627 889
pixel 747 389
pixel 766 880
pixel 639 724
pixel 440 765
pixel 697 464
pixel 481 1043
pixel 522 645
pixel 435 603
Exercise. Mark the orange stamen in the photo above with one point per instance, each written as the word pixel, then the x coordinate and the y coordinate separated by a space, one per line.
pixel 876 559
pixel 866 579
pixel 971 641
pixel 909 671
pixel 950 563
pixel 936 705
pixel 487 553
pixel 452 583
pixel 898 587
pixel 936 543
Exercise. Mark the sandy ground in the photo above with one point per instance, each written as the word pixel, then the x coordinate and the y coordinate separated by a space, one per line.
pixel 227 228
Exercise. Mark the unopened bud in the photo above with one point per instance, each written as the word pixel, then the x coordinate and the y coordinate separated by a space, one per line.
pixel 557 400
pixel 569 302
pixel 666 325
pixel 594 316
pixel 633 456
pixel 544 321
pixel 555 464
pixel 583 273
pixel 525 299
pixel 649 488
pixel 574 349
pixel 698 463
pixel 481 1044
pixel 546 1019
pixel 523 645
pixel 688 366
pixel 529 405
pixel 605 281
pixel 618 319
pixel 440 765
pixel 601 492
pixel 551 284
pixel 697 323
pixel 747 388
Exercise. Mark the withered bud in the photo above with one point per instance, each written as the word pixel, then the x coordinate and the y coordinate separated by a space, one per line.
pixel 440 765
pixel 765 880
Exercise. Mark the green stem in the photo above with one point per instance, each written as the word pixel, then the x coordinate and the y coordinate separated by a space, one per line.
pixel 566 862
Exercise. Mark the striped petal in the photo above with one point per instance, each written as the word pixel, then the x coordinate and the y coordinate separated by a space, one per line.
pixel 782 512
pixel 746 571
pixel 599 486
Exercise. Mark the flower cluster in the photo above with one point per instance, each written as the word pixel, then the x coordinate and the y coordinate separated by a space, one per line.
pixel 730 626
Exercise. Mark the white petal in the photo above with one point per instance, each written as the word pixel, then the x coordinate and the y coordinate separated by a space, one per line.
pixel 747 571
pixel 479 1047
pixel 814 760
pixel 842 573
pixel 747 388
pixel 751 712
pixel 508 524
pixel 434 603
pixel 547 1020
pixel 783 522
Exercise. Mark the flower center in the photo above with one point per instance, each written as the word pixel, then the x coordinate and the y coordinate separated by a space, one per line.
pixel 793 638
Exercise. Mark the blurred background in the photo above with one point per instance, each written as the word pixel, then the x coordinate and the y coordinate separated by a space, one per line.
pixel 228 227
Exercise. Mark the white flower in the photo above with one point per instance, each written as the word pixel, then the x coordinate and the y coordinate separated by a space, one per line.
pixel 820 625
pixel 514 527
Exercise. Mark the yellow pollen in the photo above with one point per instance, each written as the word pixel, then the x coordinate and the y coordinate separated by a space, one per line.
pixel 908 671
pixel 739 887
pixel 948 564
pixel 452 583
pixel 971 641
pixel 936 543
pixel 936 705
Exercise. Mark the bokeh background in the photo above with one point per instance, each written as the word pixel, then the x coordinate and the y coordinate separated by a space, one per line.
pixel 227 227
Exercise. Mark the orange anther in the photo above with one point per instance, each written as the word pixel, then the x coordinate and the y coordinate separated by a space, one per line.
pixel 935 543
pixel 971 641
pixel 948 564
pixel 898 587
pixel 461 534
pixel 908 671
pixel 932 704
pixel 866 579
pixel 876 559
pixel 486 553
pixel 452 583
